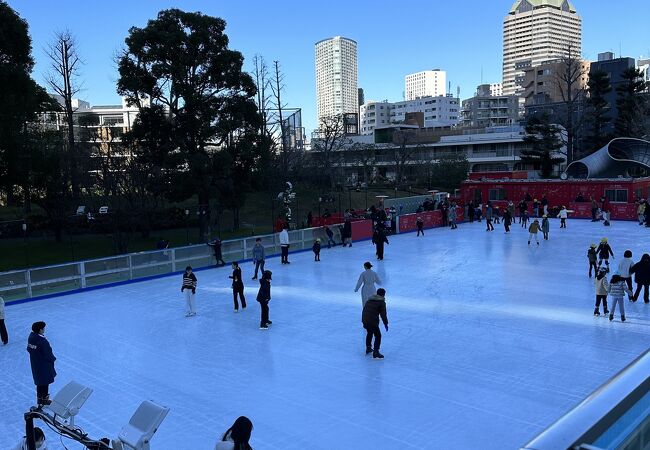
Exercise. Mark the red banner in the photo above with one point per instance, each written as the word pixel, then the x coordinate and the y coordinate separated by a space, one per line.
pixel 361 229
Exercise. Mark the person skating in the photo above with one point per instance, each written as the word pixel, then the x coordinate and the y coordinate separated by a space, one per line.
pixel 216 247
pixel 316 249
pixel 258 257
pixel 451 215
pixel 347 233
pixel 3 329
pixel 546 226
pixel 594 210
pixel 237 436
pixel 507 219
pixel 617 289
pixel 420 225
pixel 604 251
pixel 488 217
pixel 189 289
pixel 602 287
pixel 42 360
pixel 470 211
pixel 264 297
pixel 624 268
pixel 39 441
pixel 379 239
pixel 640 212
pixel 641 271
pixel 284 245
pixel 330 237
pixel 367 279
pixel 593 258
pixel 511 210
pixel 545 204
pixel 524 219
pixel 533 230
pixel 497 215
pixel 237 286
pixel 523 207
pixel 563 216
pixel 374 308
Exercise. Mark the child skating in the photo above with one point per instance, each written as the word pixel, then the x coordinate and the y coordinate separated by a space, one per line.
pixel 189 289
pixel 524 219
pixel 316 249
pixel 264 297
pixel 533 230
pixel 602 287
pixel 617 289
pixel 604 251
pixel 592 256
pixel 420 224
pixel 563 214
pixel 546 226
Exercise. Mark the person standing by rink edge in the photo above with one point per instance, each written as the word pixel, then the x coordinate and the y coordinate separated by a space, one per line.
pixel 258 256
pixel 264 297
pixel 42 360
pixel 3 329
pixel 237 286
pixel 216 247
pixel 284 245
pixel 374 308
pixel 368 279
pixel 189 288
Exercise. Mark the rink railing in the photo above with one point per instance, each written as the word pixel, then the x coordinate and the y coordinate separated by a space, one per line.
pixel 61 278
pixel 616 415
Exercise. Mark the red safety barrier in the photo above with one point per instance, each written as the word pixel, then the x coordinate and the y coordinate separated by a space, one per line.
pixel 431 219
pixel 361 229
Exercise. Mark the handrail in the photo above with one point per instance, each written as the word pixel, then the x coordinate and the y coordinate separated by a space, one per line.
pixel 595 414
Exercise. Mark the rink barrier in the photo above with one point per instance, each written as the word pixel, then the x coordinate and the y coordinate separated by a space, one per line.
pixel 39 283
pixel 616 415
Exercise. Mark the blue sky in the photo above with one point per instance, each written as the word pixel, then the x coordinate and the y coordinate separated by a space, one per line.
pixel 394 38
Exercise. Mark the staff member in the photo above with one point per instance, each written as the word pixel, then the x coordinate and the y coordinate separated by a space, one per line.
pixel 42 362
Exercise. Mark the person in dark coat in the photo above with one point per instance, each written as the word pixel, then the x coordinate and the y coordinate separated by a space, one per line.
pixel 420 224
pixel 374 308
pixel 216 247
pixel 347 233
pixel 647 213
pixel 310 218
pixel 42 360
pixel 316 249
pixel 330 237
pixel 3 328
pixel 264 297
pixel 507 219
pixel 379 239
pixel 641 271
pixel 237 286
pixel 470 211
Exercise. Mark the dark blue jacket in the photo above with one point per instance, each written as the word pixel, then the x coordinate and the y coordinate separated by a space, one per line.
pixel 264 294
pixel 42 359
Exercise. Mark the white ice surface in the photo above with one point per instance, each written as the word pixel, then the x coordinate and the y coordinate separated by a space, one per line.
pixel 490 341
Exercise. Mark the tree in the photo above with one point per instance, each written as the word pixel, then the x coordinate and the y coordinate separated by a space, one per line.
pixel 180 62
pixel 365 156
pixel 544 141
pixel 449 170
pixel 597 117
pixel 63 79
pixel 632 104
pixel 328 140
pixel 404 147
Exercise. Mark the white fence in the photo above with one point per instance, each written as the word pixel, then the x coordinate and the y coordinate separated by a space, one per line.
pixel 47 280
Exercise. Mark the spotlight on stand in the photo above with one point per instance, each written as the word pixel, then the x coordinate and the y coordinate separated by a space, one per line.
pixel 144 423
pixel 68 401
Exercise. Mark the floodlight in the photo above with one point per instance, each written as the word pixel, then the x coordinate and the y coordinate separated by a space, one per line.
pixel 67 402
pixel 103 210
pixel 143 424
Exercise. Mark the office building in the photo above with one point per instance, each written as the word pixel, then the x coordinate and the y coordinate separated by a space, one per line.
pixel 336 77
pixel 428 83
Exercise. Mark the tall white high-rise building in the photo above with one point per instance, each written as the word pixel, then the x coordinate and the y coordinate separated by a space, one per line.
pixel 428 83
pixel 336 77
pixel 535 31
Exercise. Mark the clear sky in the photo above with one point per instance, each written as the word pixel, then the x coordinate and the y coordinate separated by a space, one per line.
pixel 394 38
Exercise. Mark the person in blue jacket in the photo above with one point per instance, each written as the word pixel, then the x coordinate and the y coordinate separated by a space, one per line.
pixel 42 362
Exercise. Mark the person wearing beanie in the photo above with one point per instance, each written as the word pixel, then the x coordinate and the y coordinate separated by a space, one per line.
pixel 189 288
pixel 592 256
pixel 42 360
pixel 602 287
pixel 264 297
pixel 604 251
pixel 374 308
pixel 237 286
pixel 368 279
pixel 316 249
pixel 3 329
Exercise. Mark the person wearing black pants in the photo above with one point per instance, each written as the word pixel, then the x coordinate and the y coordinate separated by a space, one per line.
pixel 284 245
pixel 379 239
pixel 3 329
pixel 507 220
pixel 216 247
pixel 237 286
pixel 641 271
pixel 264 297
pixel 42 361
pixel 374 308
pixel 420 224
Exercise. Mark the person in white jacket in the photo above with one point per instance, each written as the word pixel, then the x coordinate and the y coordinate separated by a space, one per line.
pixel 624 268
pixel 39 439
pixel 3 328
pixel 563 215
pixel 237 436
pixel 368 279
pixel 284 245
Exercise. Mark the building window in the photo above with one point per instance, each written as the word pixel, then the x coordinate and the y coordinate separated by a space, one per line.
pixel 497 194
pixel 616 195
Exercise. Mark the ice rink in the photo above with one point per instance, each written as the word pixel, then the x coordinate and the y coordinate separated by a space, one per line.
pixel 490 341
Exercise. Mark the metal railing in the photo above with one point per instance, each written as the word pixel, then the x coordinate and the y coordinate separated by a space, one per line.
pixel 61 278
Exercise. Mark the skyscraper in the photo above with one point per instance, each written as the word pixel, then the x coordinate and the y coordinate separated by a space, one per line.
pixel 535 31
pixel 428 83
pixel 336 77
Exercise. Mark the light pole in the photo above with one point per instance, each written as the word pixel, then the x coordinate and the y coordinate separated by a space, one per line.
pixel 26 248
pixel 187 230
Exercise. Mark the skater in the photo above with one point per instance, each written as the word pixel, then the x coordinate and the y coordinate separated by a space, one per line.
pixel 640 212
pixel 316 249
pixel 641 271
pixel 39 440
pixel 593 258
pixel 452 216
pixel 624 268
pixel 563 215
pixel 604 251
pixel 374 308
pixel 379 239
pixel 189 287
pixel 237 286
pixel 544 204
pixel 3 329
pixel 258 257
pixel 507 219
pixel 368 279
pixel 284 245
pixel 606 216
pixel 524 219
pixel 347 233
pixel 488 217
pixel 523 207
pixel 420 224
pixel 532 230
pixel 647 214
pixel 237 436
pixel 602 287
pixel 594 210
pixel 216 247
pixel 330 237
pixel 264 297
pixel 617 288
pixel 42 360
pixel 545 226
pixel 511 210
pixel 470 211
pixel 497 214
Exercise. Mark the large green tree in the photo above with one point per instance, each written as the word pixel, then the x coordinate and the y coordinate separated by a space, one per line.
pixel 597 115
pixel 448 171
pixel 181 63
pixel 543 139
pixel 632 104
